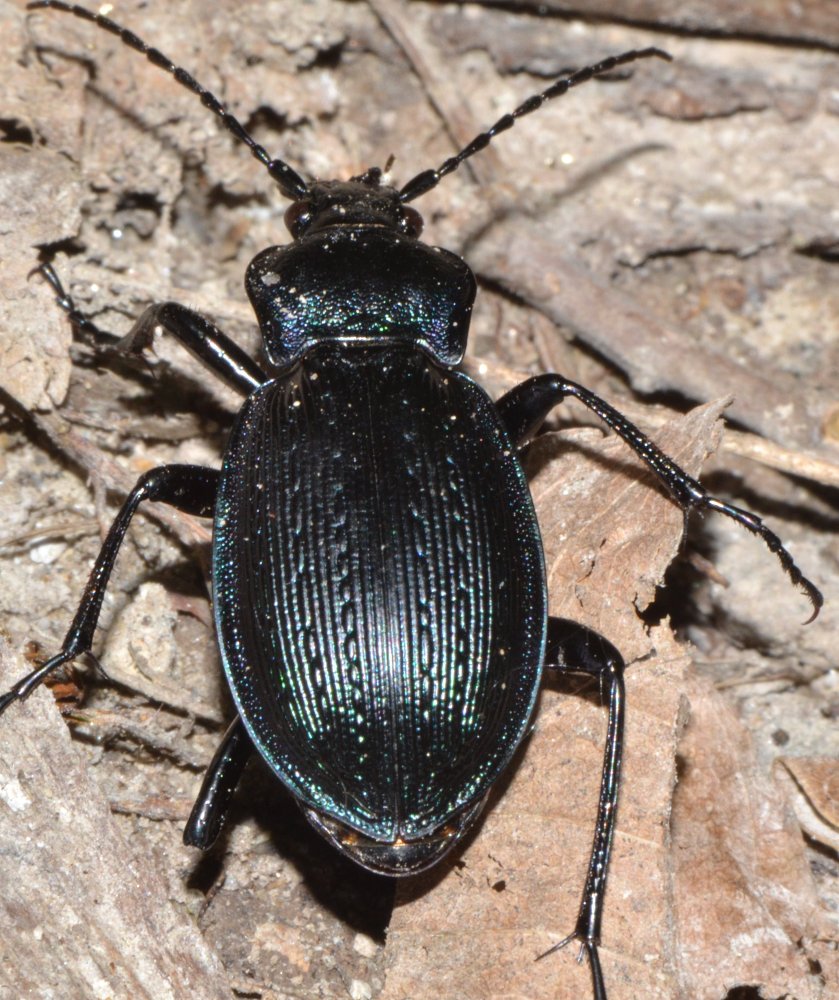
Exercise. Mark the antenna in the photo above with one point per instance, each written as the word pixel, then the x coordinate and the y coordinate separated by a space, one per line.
pixel 290 183
pixel 428 179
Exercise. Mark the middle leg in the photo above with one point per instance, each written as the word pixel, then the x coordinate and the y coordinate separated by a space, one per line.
pixel 189 488
pixel 524 408
pixel 220 780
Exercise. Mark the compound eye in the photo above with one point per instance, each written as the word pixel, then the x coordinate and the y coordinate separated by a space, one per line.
pixel 411 222
pixel 297 217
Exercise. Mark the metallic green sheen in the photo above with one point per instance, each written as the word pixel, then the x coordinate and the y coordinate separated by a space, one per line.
pixel 361 284
pixel 379 586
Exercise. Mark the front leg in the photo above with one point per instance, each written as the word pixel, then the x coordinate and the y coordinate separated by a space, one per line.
pixel 201 338
pixel 524 408
pixel 189 488
pixel 196 333
pixel 573 648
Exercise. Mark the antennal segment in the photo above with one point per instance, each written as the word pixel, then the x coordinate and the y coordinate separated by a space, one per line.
pixel 429 179
pixel 290 183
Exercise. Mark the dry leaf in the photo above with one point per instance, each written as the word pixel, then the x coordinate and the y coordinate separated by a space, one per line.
pixel 746 909
pixel 814 793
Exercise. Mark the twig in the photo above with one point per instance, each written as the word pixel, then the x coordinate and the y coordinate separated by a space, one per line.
pixel 654 356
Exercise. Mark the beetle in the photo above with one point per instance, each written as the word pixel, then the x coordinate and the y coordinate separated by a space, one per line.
pixel 378 580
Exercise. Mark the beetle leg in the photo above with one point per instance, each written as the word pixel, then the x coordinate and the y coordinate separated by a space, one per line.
pixel 572 648
pixel 524 408
pixel 64 301
pixel 210 809
pixel 200 337
pixel 197 334
pixel 189 488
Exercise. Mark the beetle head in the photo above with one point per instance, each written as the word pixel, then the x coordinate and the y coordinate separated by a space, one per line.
pixel 362 200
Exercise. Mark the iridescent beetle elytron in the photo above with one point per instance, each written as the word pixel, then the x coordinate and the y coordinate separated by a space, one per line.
pixel 380 596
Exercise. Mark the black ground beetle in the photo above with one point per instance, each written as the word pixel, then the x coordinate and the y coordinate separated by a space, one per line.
pixel 378 579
